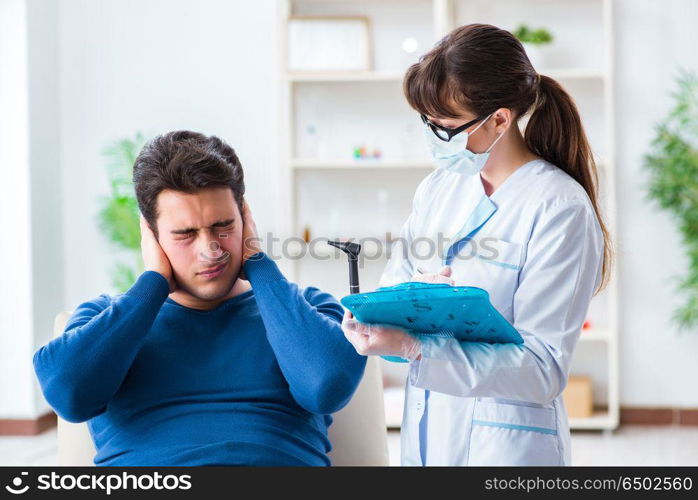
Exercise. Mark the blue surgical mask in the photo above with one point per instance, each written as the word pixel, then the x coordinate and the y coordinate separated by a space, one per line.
pixel 454 155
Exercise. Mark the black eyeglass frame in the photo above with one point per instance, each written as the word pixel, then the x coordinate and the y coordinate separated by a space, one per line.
pixel 450 132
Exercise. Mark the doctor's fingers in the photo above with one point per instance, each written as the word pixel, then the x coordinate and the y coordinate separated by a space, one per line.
pixel 351 323
pixel 360 341
pixel 433 278
pixel 353 329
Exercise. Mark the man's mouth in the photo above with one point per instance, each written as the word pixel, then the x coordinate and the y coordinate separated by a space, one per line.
pixel 213 272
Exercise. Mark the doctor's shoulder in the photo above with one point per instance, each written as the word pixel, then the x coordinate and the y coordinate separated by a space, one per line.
pixel 425 186
pixel 553 190
pixel 430 187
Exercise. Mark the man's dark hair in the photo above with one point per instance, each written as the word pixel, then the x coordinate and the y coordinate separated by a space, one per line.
pixel 184 161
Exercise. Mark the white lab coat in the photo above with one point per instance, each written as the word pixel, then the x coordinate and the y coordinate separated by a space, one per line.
pixel 500 404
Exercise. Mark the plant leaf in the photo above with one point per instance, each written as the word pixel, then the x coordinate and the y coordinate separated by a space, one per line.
pixel 672 165
pixel 118 217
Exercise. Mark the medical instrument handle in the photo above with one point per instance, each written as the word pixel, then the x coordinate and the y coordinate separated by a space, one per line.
pixel 352 250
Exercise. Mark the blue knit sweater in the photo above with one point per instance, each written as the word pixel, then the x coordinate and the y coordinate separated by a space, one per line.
pixel 251 382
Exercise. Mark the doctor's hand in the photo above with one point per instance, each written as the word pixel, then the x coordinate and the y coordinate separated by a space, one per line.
pixel 373 340
pixel 154 257
pixel 443 276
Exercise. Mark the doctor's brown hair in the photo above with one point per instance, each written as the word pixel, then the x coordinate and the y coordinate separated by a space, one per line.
pixel 482 68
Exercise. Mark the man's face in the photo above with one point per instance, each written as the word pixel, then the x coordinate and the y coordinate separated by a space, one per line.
pixel 199 232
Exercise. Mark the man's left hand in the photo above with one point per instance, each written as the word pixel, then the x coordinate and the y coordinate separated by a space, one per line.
pixel 251 243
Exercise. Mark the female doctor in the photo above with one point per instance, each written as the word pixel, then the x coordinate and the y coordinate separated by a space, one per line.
pixel 520 215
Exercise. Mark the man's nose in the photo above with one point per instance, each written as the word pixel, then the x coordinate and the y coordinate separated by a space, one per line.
pixel 210 247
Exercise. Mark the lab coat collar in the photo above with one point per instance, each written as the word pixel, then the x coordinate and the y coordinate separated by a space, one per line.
pixel 485 208
pixel 478 217
pixel 508 182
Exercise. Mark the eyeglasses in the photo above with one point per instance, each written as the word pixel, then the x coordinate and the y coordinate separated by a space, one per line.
pixel 445 133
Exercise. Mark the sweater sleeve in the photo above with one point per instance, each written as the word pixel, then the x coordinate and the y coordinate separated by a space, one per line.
pixel 80 371
pixel 304 329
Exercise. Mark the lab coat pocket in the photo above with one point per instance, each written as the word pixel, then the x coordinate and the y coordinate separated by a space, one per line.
pixel 513 433
pixel 493 264
pixel 499 253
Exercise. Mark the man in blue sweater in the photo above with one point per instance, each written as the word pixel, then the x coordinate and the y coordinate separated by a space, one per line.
pixel 212 357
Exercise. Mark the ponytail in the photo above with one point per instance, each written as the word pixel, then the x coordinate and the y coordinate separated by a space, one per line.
pixel 555 133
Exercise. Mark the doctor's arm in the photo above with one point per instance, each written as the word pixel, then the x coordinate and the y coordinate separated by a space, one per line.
pixel 556 284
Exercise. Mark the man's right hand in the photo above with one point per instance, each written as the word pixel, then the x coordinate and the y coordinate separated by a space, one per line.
pixel 154 258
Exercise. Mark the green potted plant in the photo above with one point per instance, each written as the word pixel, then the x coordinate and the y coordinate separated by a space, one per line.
pixel 119 215
pixel 534 40
pixel 673 183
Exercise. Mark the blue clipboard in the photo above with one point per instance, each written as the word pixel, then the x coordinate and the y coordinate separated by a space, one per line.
pixel 461 312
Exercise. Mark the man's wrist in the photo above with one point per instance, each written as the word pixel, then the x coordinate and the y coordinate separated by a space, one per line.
pixel 260 269
pixel 253 256
pixel 249 252
pixel 150 286
pixel 161 272
pixel 251 245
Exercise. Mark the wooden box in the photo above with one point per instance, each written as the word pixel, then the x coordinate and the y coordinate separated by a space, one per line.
pixel 578 397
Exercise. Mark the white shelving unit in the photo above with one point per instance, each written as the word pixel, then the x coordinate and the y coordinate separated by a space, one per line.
pixel 334 195
pixel 314 163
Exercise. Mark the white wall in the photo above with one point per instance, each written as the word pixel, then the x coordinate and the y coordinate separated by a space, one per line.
pixel 30 205
pixel 45 175
pixel 156 66
pixel 77 75
pixel 658 365
pixel 16 321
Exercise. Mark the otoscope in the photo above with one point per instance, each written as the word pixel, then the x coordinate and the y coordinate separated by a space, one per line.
pixel 352 250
